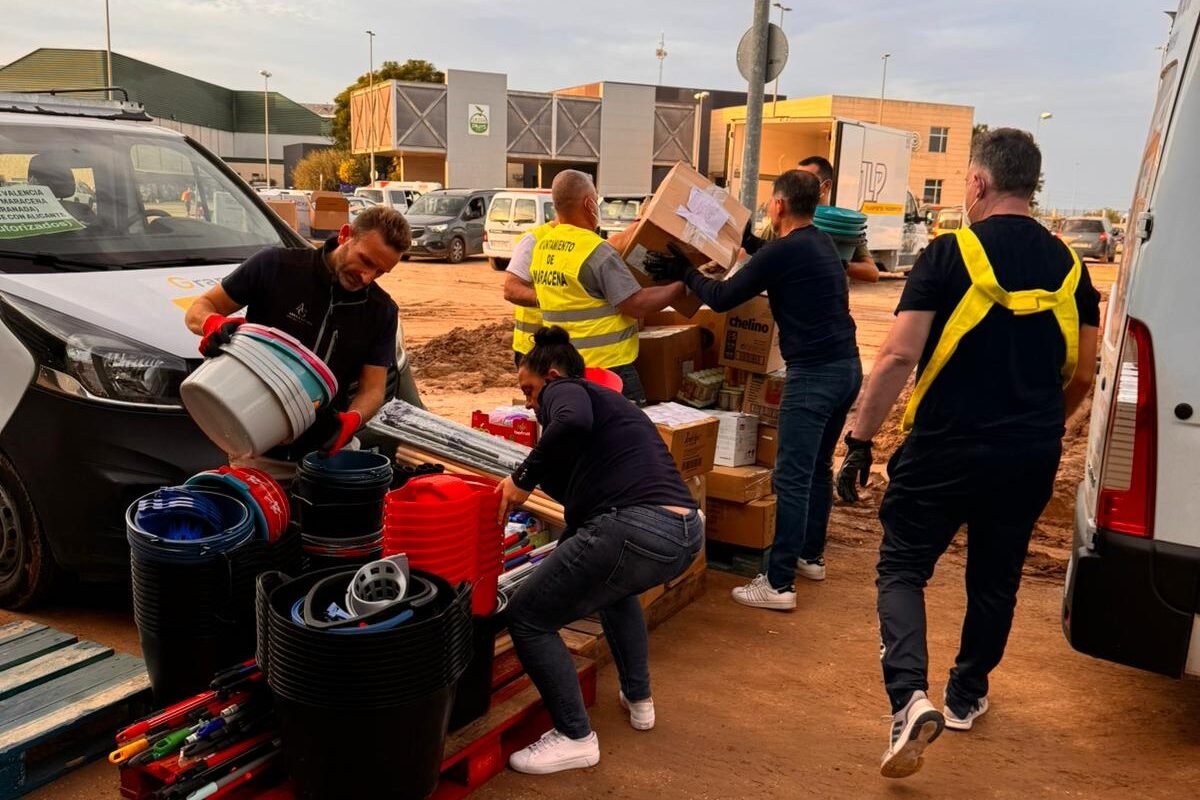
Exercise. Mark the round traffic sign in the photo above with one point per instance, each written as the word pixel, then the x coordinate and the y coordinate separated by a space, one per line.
pixel 777 53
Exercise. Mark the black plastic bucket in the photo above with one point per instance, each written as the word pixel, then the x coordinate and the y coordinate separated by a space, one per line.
pixel 341 496
pixel 387 752
pixel 474 694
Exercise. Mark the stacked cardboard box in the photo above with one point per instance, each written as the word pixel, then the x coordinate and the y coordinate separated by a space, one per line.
pixel 665 354
pixel 737 438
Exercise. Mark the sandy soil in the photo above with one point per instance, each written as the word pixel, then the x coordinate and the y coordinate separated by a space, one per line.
pixel 759 704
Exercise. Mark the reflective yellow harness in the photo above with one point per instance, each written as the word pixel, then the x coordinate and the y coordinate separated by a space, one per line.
pixel 527 320
pixel 985 292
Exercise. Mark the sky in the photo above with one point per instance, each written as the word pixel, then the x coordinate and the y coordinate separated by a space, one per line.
pixel 1093 64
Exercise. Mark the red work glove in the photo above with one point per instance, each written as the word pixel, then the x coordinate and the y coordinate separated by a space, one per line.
pixel 218 331
pixel 341 427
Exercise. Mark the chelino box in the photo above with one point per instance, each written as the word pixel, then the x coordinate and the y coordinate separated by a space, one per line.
pixel 750 338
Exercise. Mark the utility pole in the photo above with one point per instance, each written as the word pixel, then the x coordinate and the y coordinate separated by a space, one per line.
pixel 108 49
pixel 754 104
pixel 883 86
pixel 661 55
pixel 775 93
pixel 371 105
pixel 266 124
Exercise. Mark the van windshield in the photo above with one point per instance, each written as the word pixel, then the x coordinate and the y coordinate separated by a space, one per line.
pixel 619 211
pixel 437 205
pixel 120 200
pixel 374 195
pixel 1082 226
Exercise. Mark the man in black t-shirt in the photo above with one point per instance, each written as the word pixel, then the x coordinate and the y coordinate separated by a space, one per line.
pixel 326 298
pixel 986 422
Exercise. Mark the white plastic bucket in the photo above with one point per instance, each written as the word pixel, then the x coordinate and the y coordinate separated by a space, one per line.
pixel 235 408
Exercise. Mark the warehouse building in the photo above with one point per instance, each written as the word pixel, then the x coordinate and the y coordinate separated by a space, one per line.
pixel 229 122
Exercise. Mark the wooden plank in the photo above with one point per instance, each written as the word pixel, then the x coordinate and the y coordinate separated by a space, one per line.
pixel 55 663
pixel 116 685
pixel 15 630
pixel 62 691
pixel 589 626
pixel 32 645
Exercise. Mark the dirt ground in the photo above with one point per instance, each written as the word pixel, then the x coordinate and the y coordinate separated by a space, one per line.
pixel 760 704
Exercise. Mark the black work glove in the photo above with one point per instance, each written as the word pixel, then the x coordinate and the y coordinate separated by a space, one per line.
pixel 749 240
pixel 332 430
pixel 668 267
pixel 855 469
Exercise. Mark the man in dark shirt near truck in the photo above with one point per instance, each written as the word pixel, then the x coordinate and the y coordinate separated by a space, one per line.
pixel 806 287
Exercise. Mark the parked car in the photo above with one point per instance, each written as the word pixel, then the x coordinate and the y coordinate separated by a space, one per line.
pixel 93 345
pixel 448 223
pixel 511 213
pixel 617 212
pixel 1090 237
pixel 359 204
pixel 947 220
pixel 1132 590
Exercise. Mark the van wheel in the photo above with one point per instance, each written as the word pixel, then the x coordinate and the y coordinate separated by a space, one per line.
pixel 498 264
pixel 27 567
pixel 457 252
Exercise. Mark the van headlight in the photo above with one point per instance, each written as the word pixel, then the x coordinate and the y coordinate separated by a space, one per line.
pixel 438 228
pixel 82 360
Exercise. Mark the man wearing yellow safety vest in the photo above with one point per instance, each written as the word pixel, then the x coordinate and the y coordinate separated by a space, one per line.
pixel 518 290
pixel 1000 319
pixel 580 283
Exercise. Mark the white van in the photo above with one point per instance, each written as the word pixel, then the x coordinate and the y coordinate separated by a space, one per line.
pixel 396 194
pixel 93 345
pixel 1132 591
pixel 511 213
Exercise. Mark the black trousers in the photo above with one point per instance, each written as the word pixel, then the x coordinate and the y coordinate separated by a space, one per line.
pixel 998 489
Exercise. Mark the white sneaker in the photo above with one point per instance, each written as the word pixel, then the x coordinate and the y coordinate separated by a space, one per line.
pixel 758 593
pixel 914 727
pixel 555 752
pixel 814 570
pixel 641 713
pixel 956 723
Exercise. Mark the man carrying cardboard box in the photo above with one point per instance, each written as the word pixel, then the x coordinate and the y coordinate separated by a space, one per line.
pixel 581 284
pixel 806 288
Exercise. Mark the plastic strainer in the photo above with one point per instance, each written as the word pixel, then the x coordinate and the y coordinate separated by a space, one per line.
pixel 378 584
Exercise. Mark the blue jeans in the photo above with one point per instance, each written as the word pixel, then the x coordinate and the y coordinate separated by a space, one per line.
pixel 811 416
pixel 603 566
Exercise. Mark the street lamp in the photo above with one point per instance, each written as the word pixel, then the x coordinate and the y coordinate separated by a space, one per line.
pixel 699 97
pixel 371 94
pixel 883 86
pixel 266 124
pixel 108 49
pixel 1042 116
pixel 775 93
pixel 661 54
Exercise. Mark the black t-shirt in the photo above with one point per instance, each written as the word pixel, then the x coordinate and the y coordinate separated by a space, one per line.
pixel 295 291
pixel 598 451
pixel 1005 378
pixel 806 286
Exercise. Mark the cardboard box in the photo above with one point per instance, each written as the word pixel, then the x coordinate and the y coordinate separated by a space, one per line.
pixel 737 438
pixel 764 394
pixel 286 209
pixel 698 486
pixel 768 445
pixel 665 355
pixel 697 566
pixel 750 338
pixel 710 322
pixel 739 484
pixel 693 445
pixel 693 213
pixel 744 524
pixel 330 211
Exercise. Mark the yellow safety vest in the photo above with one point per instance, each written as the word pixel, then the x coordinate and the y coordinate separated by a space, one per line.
pixel 985 292
pixel 602 334
pixel 526 320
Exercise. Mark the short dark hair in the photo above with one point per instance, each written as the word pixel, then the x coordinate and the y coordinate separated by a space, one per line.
pixel 1011 157
pixel 824 168
pixel 800 190
pixel 552 349
pixel 390 223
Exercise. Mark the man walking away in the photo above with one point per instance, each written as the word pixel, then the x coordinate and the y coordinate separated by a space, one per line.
pixel 806 287
pixel 1001 322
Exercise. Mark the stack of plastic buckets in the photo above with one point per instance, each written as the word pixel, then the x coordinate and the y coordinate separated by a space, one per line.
pixel 339 506
pixel 195 558
pixel 847 228
pixel 362 712
pixel 448 525
pixel 263 390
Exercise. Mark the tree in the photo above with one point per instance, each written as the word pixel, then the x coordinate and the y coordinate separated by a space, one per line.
pixel 980 128
pixel 319 169
pixel 412 70
pixel 354 170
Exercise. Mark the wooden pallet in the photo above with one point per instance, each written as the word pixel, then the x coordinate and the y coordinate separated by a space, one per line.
pixel 739 560
pixel 60 701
